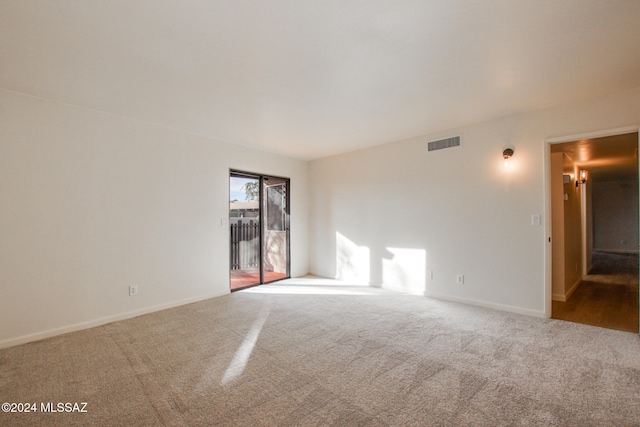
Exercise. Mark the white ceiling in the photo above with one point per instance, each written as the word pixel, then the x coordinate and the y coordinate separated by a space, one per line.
pixel 609 157
pixel 312 78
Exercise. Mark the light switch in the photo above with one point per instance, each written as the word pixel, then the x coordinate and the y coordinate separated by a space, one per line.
pixel 223 222
pixel 535 219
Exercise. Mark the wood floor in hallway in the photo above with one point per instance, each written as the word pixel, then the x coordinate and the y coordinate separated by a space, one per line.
pixel 608 297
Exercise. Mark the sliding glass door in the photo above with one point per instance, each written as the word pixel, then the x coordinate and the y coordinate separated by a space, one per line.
pixel 259 229
pixel 275 229
pixel 244 224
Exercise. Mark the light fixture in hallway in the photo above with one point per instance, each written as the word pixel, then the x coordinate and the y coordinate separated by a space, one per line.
pixel 583 175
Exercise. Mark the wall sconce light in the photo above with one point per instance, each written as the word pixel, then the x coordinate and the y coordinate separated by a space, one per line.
pixel 506 155
pixel 583 175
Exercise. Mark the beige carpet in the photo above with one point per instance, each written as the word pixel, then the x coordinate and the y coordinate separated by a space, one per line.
pixel 308 354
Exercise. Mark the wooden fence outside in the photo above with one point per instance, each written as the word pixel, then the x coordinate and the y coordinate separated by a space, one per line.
pixel 245 245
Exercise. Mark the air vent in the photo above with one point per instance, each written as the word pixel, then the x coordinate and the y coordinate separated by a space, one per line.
pixel 441 144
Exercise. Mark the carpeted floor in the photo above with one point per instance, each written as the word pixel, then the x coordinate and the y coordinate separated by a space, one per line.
pixel 311 353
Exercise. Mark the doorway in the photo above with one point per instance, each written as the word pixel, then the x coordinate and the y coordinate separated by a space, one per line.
pixel 259 229
pixel 594 230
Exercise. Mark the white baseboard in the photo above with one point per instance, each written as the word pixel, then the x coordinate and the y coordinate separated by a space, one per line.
pixel 494 306
pixel 616 251
pixel 99 322
pixel 485 304
pixel 565 297
pixel 573 288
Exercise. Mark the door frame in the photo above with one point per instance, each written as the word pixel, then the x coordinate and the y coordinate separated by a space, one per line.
pixel 287 225
pixel 261 179
pixel 548 142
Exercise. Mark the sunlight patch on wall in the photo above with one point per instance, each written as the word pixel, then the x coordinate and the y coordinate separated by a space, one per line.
pixel 405 271
pixel 352 261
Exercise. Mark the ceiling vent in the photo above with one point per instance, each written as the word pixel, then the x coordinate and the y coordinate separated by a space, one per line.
pixel 441 144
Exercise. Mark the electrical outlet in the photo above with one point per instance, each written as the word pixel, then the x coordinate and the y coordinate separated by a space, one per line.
pixel 133 290
pixel 460 279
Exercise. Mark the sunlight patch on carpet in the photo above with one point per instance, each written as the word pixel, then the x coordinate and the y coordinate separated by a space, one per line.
pixel 240 359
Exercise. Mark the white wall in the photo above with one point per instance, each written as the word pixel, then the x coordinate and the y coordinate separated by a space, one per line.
pixel 557 225
pixel 457 210
pixel 572 231
pixel 91 203
pixel 615 214
pixel 566 232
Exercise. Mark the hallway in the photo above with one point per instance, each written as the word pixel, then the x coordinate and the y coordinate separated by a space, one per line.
pixel 608 297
